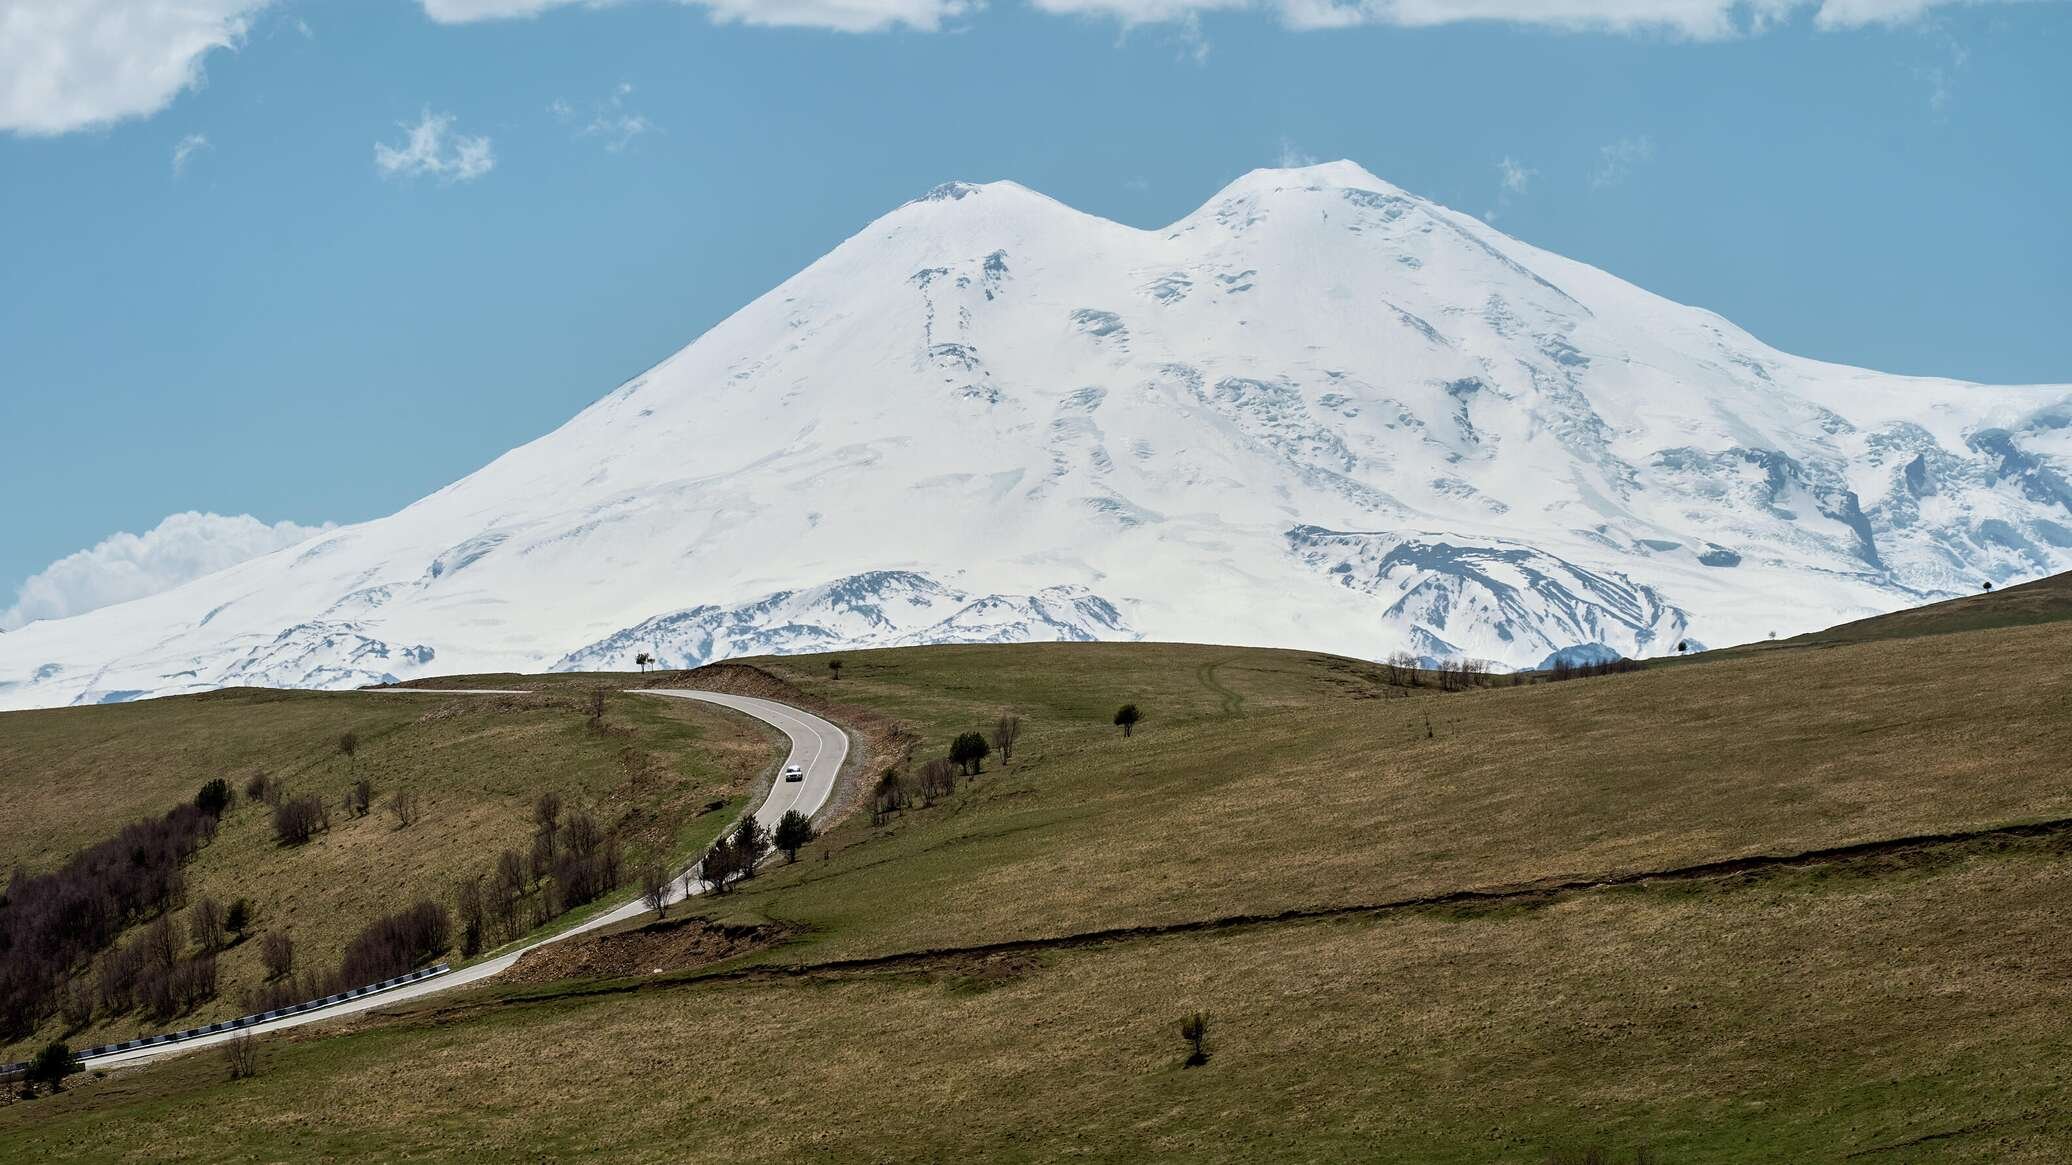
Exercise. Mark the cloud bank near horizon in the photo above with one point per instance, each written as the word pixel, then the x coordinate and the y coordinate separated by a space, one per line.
pixel 125 566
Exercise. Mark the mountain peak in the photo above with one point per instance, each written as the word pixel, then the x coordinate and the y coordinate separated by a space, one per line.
pixel 1341 174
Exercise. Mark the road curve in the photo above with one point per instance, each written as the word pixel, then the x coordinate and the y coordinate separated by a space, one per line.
pixel 817 746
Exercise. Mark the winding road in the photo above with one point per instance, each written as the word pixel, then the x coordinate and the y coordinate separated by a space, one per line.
pixel 817 746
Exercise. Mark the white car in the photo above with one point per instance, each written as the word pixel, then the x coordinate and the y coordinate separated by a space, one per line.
pixel 794 773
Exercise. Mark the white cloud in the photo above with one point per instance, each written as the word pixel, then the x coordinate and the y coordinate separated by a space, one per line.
pixel 73 64
pixel 185 149
pixel 840 15
pixel 122 567
pixel 432 149
pixel 67 65
pixel 609 120
pixel 1616 160
pixel 1515 176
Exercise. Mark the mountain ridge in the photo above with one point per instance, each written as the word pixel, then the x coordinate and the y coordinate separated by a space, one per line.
pixel 1317 411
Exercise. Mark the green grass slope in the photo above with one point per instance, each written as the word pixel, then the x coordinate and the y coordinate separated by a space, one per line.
pixel 1284 844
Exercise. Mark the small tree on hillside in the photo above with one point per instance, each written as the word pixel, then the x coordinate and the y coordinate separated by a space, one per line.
pixel 642 661
pixel 214 797
pixel 794 831
pixel 1128 717
pixel 654 888
pixel 1194 1028
pixel 834 669
pixel 750 840
pixel 239 918
pixel 970 751
pixel 51 1066
pixel 938 778
pixel 718 867
pixel 349 748
pixel 205 924
pixel 277 953
pixel 596 720
pixel 1006 731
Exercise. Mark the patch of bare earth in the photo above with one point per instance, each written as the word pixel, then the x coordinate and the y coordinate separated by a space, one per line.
pixel 674 944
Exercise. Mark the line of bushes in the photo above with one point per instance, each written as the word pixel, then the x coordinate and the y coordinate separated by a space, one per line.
pixel 52 923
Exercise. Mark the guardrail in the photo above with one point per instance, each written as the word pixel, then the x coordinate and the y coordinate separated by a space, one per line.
pixel 245 1021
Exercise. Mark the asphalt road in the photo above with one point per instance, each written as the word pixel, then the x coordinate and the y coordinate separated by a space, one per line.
pixel 817 746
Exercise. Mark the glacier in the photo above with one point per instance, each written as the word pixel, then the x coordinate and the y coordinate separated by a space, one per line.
pixel 1318 412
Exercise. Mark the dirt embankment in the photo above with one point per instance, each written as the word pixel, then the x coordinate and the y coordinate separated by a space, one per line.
pixel 675 944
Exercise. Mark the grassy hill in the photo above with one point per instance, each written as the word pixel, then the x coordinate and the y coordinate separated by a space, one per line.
pixel 1767 908
pixel 72 777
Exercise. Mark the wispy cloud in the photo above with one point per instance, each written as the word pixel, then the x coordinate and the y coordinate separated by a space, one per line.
pixel 185 149
pixel 1292 156
pixel 1941 77
pixel 1617 160
pixel 1513 179
pixel 432 149
pixel 608 121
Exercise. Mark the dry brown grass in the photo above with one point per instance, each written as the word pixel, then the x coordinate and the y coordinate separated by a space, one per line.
pixel 475 764
pixel 1734 1024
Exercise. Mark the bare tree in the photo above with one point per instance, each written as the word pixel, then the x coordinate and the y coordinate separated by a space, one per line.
pixel 277 952
pixel 938 778
pixel 296 821
pixel 596 721
pixel 360 797
pixel 404 806
pixel 241 1057
pixel 205 924
pixel 654 888
pixel 1194 1028
pixel 349 748
pixel 1006 731
pixel 546 815
pixel 468 902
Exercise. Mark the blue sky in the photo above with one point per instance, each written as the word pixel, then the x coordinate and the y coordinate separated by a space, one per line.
pixel 263 293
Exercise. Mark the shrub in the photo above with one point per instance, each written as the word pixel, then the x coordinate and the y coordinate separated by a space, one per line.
pixel 214 797
pixel 395 943
pixel 277 953
pixel 205 924
pixel 52 1064
pixel 296 821
pixel 794 831
pixel 239 917
pixel 241 1056
pixel 938 778
pixel 259 787
pixel 403 805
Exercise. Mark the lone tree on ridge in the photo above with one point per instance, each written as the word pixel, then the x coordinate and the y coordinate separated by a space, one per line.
pixel 1127 716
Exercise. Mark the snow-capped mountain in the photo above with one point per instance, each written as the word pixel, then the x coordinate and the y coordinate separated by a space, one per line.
pixel 1317 412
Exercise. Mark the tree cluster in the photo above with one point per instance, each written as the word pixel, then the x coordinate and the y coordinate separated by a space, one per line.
pixel 51 923
pixel 1564 670
pixel 396 943
pixel 297 819
pixel 733 858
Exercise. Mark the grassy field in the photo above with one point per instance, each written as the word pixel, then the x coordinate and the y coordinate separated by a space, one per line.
pixel 74 776
pixel 1908 1004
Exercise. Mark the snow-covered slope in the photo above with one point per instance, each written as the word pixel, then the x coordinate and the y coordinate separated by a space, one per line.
pixel 1317 412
